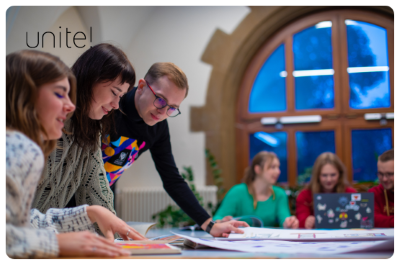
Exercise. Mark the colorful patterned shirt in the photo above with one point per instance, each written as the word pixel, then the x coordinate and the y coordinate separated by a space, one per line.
pixel 127 151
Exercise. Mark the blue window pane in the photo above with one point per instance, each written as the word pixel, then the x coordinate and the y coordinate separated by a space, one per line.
pixel 309 146
pixel 314 92
pixel 366 146
pixel 312 48
pixel 269 90
pixel 272 142
pixel 377 95
pixel 366 44
pixel 368 65
pixel 314 85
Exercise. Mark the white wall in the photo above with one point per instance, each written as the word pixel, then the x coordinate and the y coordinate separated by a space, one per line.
pixel 148 35
pixel 179 35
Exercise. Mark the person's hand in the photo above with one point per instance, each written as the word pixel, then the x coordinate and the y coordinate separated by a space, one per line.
pixel 110 224
pixel 87 244
pixel 225 219
pixel 310 222
pixel 225 228
pixel 291 222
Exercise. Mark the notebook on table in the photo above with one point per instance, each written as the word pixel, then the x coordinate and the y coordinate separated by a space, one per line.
pixel 149 247
pixel 344 210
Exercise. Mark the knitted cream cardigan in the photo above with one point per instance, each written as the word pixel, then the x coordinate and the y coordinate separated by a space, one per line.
pixel 71 170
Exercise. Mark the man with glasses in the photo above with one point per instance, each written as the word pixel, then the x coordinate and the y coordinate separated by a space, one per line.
pixel 141 125
pixel 384 192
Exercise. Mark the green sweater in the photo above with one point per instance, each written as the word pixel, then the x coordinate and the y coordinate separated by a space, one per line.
pixel 239 202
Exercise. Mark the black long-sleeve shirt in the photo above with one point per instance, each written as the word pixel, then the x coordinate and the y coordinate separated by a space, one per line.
pixel 134 137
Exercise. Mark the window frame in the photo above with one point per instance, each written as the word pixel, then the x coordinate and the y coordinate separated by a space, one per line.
pixel 339 119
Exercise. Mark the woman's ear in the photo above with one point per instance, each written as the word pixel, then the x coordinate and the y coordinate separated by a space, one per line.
pixel 257 169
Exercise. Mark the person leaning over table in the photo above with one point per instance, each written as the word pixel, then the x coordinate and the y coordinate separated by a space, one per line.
pixel 75 171
pixel 258 196
pixel 384 192
pixel 40 94
pixel 141 125
pixel 328 176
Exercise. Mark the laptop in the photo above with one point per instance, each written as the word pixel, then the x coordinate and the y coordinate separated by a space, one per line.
pixel 344 210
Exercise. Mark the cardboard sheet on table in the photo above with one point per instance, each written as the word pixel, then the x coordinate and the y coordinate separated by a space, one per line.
pixel 312 234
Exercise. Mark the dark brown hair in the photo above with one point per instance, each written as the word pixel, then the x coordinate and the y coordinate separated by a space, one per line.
pixel 101 63
pixel 26 72
pixel 386 156
pixel 173 72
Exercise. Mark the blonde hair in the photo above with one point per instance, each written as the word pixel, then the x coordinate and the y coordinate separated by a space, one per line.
pixel 260 159
pixel 26 72
pixel 322 160
pixel 173 72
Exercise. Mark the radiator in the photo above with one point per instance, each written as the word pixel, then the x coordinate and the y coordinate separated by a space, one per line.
pixel 139 204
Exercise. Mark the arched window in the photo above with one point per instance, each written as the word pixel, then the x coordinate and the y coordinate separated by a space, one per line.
pixel 322 83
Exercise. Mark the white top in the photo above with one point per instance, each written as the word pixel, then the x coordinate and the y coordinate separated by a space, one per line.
pixel 30 233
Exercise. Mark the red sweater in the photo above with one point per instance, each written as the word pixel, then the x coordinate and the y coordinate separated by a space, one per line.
pixel 304 205
pixel 381 217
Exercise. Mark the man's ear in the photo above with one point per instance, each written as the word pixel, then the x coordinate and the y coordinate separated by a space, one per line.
pixel 141 86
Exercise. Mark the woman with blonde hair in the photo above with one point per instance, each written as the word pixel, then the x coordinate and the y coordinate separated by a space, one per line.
pixel 258 196
pixel 328 176
pixel 40 96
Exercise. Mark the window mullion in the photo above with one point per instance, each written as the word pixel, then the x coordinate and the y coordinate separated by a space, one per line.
pixel 339 64
pixel 289 78
pixel 292 157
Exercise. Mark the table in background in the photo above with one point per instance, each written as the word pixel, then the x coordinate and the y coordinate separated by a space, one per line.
pixel 188 253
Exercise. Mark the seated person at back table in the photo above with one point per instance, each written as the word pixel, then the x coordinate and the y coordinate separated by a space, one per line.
pixel 258 196
pixel 328 175
pixel 384 192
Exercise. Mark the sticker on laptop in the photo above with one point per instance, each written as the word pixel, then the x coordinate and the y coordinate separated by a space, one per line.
pixel 331 214
pixel 356 197
pixel 358 216
pixel 319 218
pixel 343 201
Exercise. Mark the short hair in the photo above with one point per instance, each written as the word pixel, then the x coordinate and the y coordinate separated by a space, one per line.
pixel 26 72
pixel 322 160
pixel 173 72
pixel 101 63
pixel 386 156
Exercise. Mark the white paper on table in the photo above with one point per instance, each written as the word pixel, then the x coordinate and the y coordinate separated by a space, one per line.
pixel 312 234
pixel 288 247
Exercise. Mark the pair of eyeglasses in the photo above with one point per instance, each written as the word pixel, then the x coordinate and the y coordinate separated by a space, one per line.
pixel 160 103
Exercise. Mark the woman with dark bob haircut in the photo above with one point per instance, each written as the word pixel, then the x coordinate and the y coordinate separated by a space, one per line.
pixel 104 74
